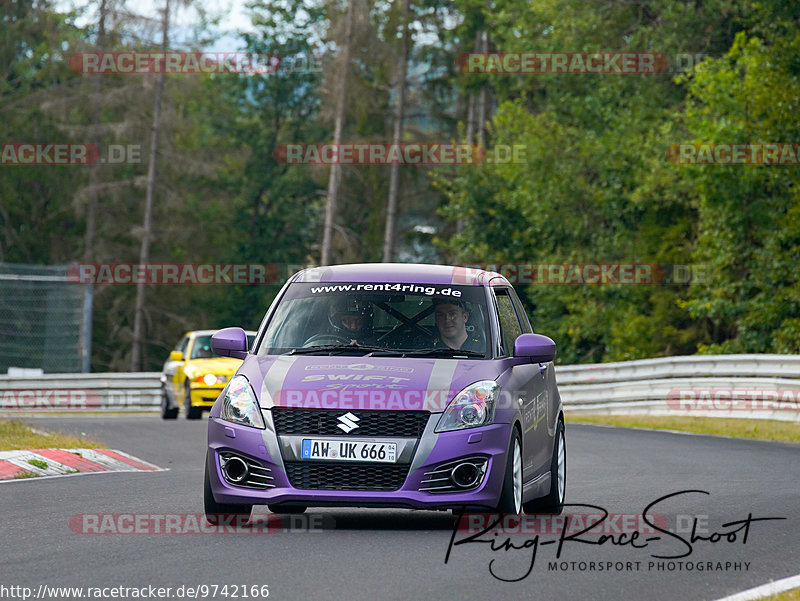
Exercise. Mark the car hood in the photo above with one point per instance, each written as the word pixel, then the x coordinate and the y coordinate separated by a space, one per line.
pixel 214 365
pixel 389 383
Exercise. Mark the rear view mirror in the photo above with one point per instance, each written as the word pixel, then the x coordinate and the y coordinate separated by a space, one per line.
pixel 536 347
pixel 176 356
pixel 230 342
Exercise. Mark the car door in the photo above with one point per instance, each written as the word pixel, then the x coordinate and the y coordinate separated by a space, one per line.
pixel 527 385
pixel 552 398
pixel 547 398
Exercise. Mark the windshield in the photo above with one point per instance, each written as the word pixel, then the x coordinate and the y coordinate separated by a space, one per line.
pixel 380 319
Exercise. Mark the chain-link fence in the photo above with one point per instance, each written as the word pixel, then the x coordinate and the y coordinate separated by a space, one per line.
pixel 45 319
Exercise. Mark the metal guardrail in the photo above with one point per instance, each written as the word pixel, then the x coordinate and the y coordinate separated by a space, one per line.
pixel 649 386
pixel 735 366
pixel 759 398
pixel 74 392
pixel 751 386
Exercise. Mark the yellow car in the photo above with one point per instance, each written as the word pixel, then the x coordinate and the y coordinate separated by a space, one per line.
pixel 194 376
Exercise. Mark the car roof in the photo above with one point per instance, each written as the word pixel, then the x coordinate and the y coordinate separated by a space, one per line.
pixel 403 273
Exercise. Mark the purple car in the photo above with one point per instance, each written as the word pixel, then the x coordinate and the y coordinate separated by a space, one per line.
pixel 389 385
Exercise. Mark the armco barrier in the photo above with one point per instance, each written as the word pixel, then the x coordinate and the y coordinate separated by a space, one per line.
pixel 752 386
pixel 735 366
pixel 640 387
pixel 74 392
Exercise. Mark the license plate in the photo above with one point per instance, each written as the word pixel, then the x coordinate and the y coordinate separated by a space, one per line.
pixel 349 450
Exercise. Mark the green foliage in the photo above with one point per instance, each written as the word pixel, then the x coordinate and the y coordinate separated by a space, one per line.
pixel 749 231
pixel 595 185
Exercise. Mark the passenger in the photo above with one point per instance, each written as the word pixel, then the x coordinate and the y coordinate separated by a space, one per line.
pixel 451 317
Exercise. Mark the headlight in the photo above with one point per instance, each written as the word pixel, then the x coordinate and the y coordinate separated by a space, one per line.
pixel 210 379
pixel 473 406
pixel 239 404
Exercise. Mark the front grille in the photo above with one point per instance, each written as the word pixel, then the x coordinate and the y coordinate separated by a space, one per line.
pixel 406 424
pixel 352 476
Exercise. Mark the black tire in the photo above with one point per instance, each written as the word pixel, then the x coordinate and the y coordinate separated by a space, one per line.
pixel 167 412
pixel 554 501
pixel 191 412
pixel 509 502
pixel 214 511
pixel 287 509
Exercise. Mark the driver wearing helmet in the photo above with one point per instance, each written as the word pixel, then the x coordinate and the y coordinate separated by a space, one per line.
pixel 351 318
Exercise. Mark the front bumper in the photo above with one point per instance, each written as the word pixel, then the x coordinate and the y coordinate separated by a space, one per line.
pixel 271 456
pixel 204 396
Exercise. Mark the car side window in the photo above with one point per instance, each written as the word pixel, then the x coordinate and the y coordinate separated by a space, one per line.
pixel 523 318
pixel 509 323
pixel 181 346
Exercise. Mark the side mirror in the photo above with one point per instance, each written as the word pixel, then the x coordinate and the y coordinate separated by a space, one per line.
pixel 536 347
pixel 176 356
pixel 230 342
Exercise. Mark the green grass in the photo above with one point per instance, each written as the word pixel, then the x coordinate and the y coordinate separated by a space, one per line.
pixel 25 474
pixel 792 595
pixel 761 429
pixel 15 436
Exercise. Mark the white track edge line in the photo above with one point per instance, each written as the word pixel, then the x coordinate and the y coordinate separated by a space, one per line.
pixel 34 478
pixel 765 590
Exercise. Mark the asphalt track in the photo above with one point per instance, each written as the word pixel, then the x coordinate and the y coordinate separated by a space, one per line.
pixel 373 554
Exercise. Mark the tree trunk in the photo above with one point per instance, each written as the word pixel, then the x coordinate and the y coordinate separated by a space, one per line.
pixel 91 207
pixel 394 178
pixel 470 118
pixel 477 46
pixel 483 97
pixel 336 168
pixel 144 254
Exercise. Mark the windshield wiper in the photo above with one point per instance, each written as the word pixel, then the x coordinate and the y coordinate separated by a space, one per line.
pixel 440 352
pixel 328 348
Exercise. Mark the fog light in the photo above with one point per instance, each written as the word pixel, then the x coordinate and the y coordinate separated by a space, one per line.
pixel 235 470
pixel 465 475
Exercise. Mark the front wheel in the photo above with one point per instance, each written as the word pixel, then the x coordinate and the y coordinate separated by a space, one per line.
pixel 219 512
pixel 511 495
pixel 191 412
pixel 554 501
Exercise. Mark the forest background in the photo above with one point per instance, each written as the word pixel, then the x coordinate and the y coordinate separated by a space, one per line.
pixel 595 187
